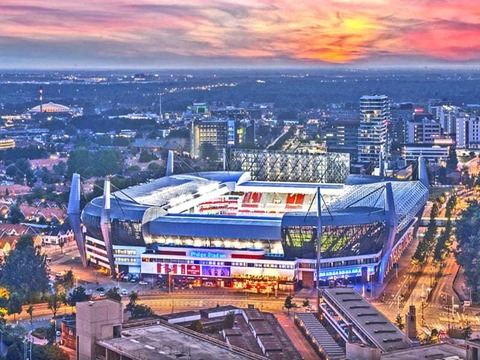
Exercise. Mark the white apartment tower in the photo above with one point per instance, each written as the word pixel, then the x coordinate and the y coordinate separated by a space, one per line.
pixel 372 133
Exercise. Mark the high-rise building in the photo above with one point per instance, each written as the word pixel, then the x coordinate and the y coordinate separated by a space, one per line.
pixel 372 133
pixel 401 114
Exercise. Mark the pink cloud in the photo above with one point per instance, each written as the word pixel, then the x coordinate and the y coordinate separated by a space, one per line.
pixel 309 30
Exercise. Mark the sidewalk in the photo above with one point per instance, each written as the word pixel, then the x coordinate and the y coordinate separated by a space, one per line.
pixel 297 338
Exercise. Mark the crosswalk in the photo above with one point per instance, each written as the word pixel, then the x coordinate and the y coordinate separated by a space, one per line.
pixel 446 319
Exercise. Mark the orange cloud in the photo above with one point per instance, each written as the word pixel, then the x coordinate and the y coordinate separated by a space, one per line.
pixel 324 31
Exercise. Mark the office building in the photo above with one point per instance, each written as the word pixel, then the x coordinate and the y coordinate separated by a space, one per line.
pixel 423 129
pixel 214 132
pixel 341 136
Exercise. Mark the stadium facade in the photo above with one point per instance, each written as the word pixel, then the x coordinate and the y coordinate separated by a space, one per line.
pixel 225 229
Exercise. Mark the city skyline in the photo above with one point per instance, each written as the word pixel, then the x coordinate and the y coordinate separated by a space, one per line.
pixel 127 34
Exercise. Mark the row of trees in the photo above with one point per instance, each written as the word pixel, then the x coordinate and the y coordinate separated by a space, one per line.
pixel 468 237
pixel 426 245
pixel 443 241
pixel 431 244
pixel 98 163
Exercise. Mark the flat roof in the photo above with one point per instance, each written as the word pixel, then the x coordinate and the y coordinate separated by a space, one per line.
pixel 367 318
pixel 436 351
pixel 178 315
pixel 172 342
pixel 219 309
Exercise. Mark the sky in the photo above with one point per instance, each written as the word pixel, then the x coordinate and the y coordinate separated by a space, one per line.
pixel 237 33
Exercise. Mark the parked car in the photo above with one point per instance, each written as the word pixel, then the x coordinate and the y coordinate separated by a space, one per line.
pixel 124 292
pixel 101 288
pixel 143 283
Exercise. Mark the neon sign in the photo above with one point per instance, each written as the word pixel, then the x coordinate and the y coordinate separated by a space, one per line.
pixel 208 255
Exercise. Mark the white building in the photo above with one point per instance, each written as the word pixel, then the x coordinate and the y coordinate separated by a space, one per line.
pixel 436 152
pixel 447 116
pixel 372 133
pixel 468 132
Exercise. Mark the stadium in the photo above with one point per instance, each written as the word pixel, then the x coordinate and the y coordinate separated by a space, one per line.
pixel 224 229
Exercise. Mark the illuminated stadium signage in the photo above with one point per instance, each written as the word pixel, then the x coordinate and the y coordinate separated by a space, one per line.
pixel 208 255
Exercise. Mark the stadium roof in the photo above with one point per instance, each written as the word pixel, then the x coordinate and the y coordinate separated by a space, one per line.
pixel 342 205
pixel 50 107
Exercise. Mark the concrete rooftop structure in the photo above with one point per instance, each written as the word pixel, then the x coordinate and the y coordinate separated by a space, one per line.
pixel 166 342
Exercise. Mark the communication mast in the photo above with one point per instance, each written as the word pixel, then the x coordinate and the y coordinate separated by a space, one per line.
pixel 40 93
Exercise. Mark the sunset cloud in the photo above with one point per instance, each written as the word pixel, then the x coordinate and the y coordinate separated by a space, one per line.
pixel 163 33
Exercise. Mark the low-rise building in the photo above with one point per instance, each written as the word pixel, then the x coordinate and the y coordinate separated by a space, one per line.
pixel 436 152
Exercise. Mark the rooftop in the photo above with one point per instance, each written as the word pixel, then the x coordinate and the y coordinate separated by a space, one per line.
pixel 164 341
pixel 437 351
pixel 367 318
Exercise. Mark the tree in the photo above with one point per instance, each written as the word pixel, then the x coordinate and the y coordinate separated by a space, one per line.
pixel 15 215
pixel 99 163
pixel 306 303
pixel 61 243
pixel 52 332
pixel 14 353
pixel 434 335
pixel 48 352
pixel 229 320
pixel 67 281
pixel 399 321
pixel 140 311
pixel 208 152
pixel 467 332
pixel 77 295
pixel 288 303
pixel 153 166
pixel 146 157
pixel 29 311
pixel 25 269
pixel 55 300
pixel 14 305
pixel 114 294
pixel 452 160
pixel 197 326
pixel 133 297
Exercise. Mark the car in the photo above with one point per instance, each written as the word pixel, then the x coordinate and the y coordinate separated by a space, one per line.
pixel 101 294
pixel 100 288
pixel 58 333
pixel 133 280
pixel 143 282
pixel 124 292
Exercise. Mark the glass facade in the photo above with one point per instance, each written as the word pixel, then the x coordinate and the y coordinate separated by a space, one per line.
pixel 265 165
